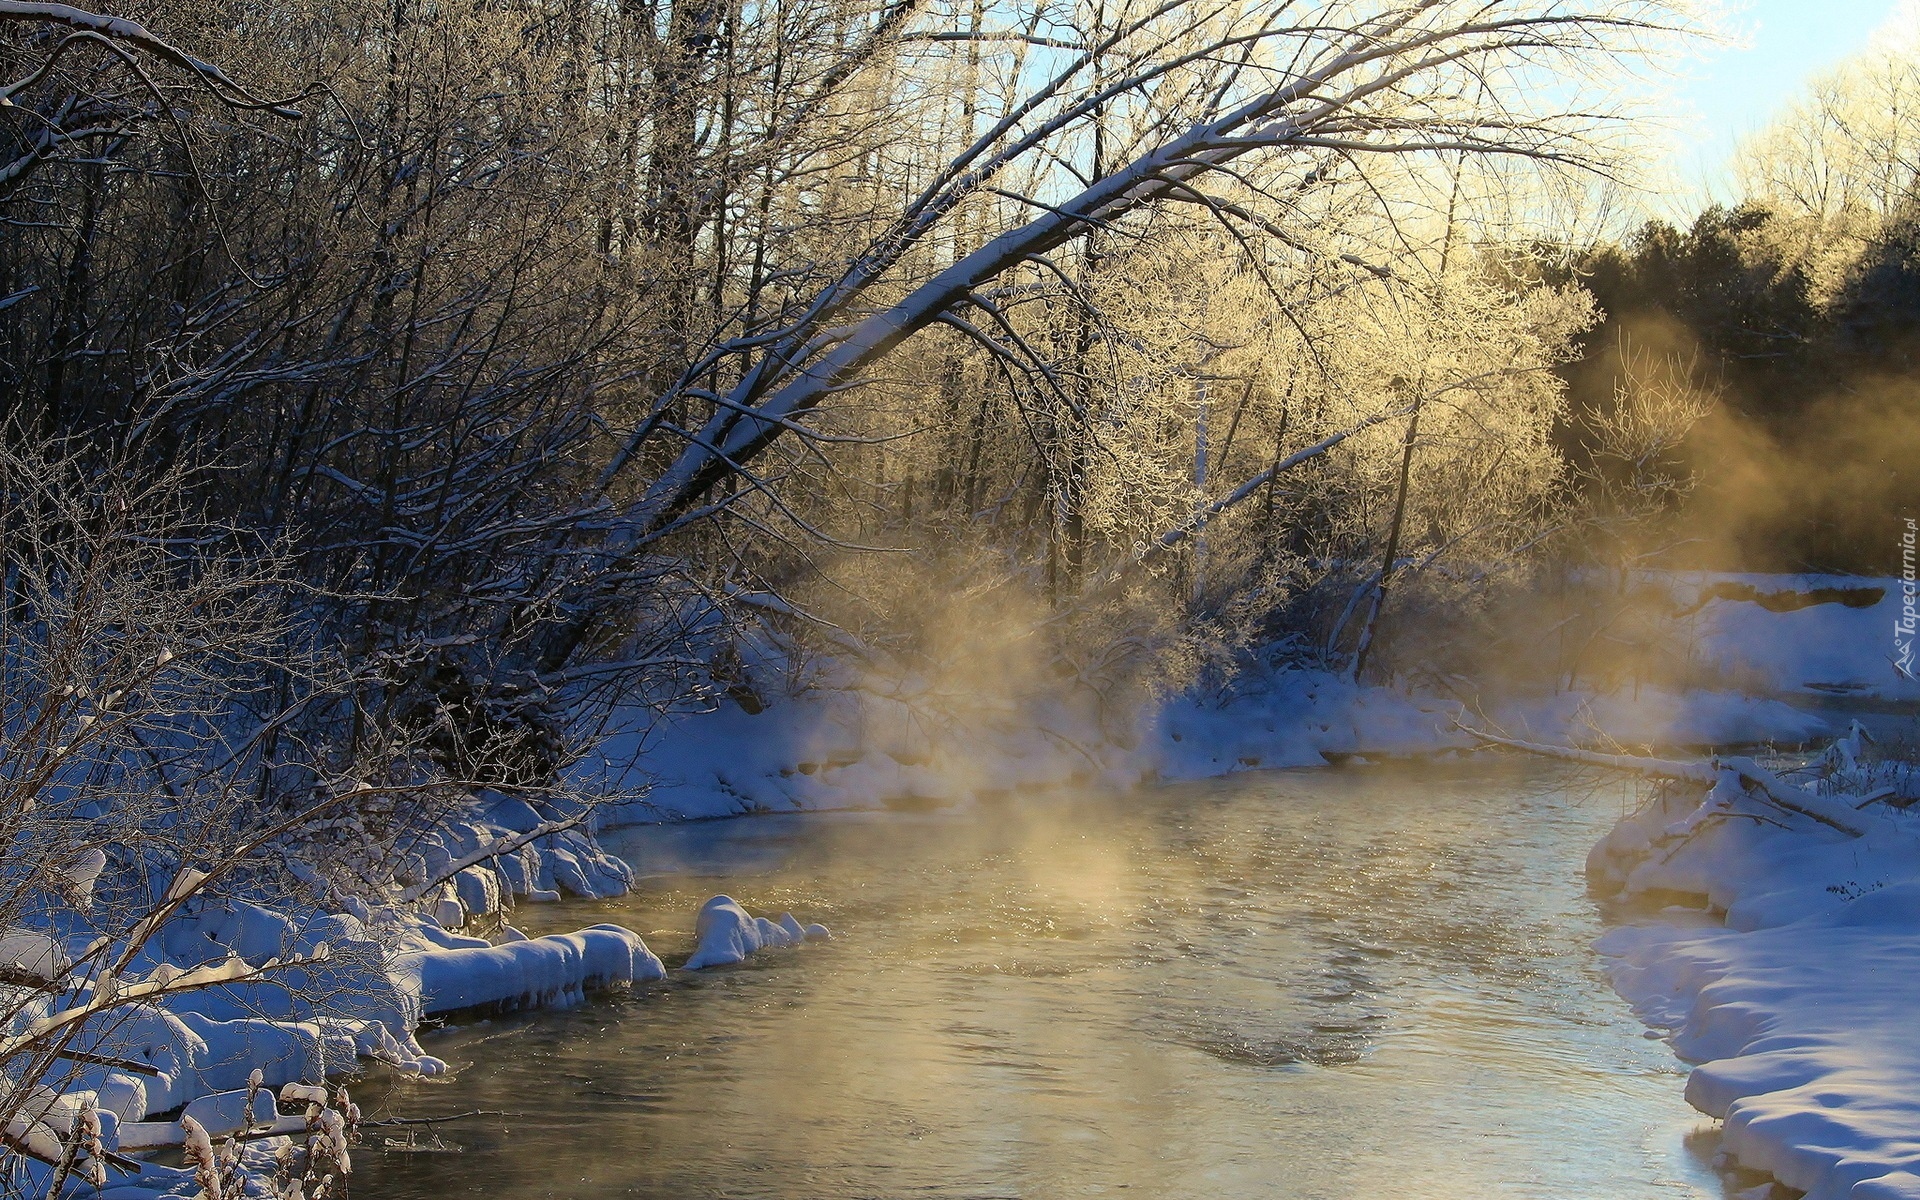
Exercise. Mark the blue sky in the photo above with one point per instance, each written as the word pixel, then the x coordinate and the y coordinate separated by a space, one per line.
pixel 1723 92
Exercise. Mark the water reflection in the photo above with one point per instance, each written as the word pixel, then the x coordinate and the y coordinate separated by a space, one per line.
pixel 1356 983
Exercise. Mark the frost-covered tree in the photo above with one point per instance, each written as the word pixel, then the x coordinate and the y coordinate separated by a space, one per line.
pixel 546 327
pixel 1848 149
pixel 158 781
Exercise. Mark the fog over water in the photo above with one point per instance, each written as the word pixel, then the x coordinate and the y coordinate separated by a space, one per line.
pixel 1345 983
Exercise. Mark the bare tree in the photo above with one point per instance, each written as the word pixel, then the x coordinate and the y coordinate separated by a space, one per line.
pixel 155 772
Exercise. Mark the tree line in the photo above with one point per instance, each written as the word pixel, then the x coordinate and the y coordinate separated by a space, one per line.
pixel 1797 308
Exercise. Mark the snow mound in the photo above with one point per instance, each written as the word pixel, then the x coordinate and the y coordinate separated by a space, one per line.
pixel 502 847
pixel 1804 1036
pixel 295 995
pixel 727 934
pixel 1295 718
pixel 543 972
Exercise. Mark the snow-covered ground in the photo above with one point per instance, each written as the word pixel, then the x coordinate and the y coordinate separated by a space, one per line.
pixel 1751 659
pixel 1799 1005
pixel 858 749
pixel 1799 1010
pixel 1791 635
pixel 1784 960
pixel 282 1000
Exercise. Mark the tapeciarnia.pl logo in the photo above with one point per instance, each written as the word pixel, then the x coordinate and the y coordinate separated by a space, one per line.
pixel 1903 629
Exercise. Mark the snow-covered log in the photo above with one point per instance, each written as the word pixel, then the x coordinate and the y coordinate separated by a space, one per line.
pixel 543 972
pixel 1829 812
pixel 728 934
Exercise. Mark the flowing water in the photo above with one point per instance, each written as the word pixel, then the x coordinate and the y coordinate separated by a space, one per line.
pixel 1363 982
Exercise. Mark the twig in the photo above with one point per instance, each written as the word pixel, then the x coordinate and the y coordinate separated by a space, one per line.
pixel 391 1121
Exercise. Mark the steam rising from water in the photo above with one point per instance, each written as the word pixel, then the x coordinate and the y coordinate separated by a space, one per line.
pixel 1333 984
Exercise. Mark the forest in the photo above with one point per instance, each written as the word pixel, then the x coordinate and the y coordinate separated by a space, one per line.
pixel 412 412
pixel 1794 308
pixel 537 352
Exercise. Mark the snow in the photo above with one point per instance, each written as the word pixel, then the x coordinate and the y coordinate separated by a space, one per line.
pixel 33 953
pixel 217 1054
pixel 227 996
pixel 1737 671
pixel 1661 717
pixel 544 972
pixel 1801 1049
pixel 1798 1007
pixel 1830 648
pixel 837 749
pixel 225 1112
pixel 727 935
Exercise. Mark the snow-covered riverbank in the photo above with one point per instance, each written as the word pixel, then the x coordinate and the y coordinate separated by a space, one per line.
pixel 1786 967
pixel 1778 954
pixel 853 748
pixel 1742 659
pixel 253 1009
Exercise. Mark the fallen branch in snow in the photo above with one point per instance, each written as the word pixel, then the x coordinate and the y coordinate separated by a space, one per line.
pixel 1875 796
pixel 1819 808
pixel 1659 768
pixel 1831 813
pixel 101 1060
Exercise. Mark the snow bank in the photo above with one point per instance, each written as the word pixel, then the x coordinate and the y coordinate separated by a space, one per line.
pixel 298 996
pixel 1801 1004
pixel 838 747
pixel 524 862
pixel 1728 994
pixel 1789 635
pixel 221 1070
pixel 1659 717
pixel 543 972
pixel 728 935
pixel 1295 719
pixel 1735 648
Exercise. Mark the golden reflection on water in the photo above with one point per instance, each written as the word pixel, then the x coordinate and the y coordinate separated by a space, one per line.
pixel 1359 983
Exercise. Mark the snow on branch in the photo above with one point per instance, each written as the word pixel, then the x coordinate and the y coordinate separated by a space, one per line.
pixel 120 29
pixel 1349 94
pixel 77 109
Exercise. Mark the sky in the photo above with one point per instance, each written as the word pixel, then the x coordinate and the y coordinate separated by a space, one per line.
pixel 1725 91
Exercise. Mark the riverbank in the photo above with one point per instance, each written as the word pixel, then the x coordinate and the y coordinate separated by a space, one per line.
pixel 1781 958
pixel 1720 660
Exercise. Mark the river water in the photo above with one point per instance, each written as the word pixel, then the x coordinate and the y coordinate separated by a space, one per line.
pixel 1356 982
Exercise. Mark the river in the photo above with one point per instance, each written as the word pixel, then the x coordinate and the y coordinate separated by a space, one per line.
pixel 1354 982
